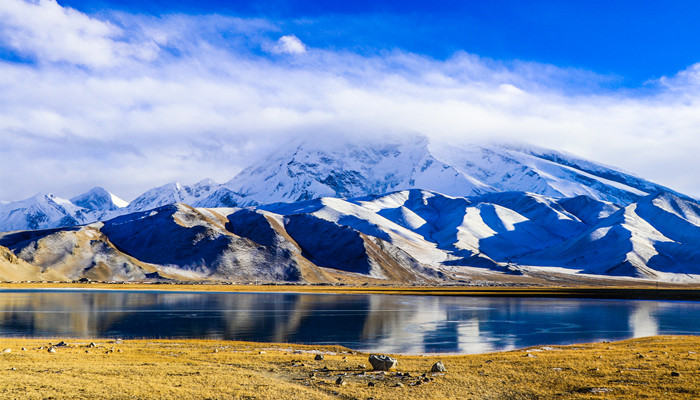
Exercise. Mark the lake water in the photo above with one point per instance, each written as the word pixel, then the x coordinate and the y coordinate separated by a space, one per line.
pixel 377 323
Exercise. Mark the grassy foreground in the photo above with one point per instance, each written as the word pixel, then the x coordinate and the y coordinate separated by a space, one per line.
pixel 657 367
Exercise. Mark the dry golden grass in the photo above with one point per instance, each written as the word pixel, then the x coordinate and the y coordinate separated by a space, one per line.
pixel 201 369
pixel 643 290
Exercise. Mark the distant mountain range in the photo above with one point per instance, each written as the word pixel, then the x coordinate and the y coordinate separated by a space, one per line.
pixel 319 167
pixel 400 210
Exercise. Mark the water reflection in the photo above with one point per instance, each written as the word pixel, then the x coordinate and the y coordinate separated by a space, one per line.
pixel 395 324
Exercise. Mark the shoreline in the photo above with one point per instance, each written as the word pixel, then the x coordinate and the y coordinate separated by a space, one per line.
pixel 650 367
pixel 667 292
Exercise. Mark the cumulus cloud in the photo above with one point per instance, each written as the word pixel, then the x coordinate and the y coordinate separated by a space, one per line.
pixel 289 44
pixel 209 103
pixel 49 32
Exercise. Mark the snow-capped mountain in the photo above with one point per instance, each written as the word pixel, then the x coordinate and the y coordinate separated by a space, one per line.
pixel 171 193
pixel 320 166
pixel 406 236
pixel 49 211
pixel 316 168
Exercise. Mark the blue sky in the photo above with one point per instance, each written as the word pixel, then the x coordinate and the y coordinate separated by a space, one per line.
pixel 130 94
pixel 632 42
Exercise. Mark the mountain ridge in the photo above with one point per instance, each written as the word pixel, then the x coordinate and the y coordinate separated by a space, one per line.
pixel 408 236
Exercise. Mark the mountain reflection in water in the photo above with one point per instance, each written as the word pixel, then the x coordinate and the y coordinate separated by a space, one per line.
pixel 379 323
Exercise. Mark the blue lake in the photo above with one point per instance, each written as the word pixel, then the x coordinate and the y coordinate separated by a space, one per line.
pixel 377 323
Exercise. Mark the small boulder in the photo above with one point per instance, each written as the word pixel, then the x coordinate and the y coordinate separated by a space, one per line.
pixel 51 350
pixel 341 381
pixel 61 344
pixel 382 362
pixel 24 349
pixel 319 357
pixel 7 351
pixel 676 374
pixel 92 344
pixel 438 367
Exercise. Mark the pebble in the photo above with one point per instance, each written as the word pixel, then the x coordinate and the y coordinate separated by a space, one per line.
pixel 262 352
pixel 24 349
pixel 7 351
pixel 51 350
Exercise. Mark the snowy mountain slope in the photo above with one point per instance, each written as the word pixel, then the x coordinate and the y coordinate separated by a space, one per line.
pixel 321 167
pixel 181 237
pixel 171 193
pixel 98 199
pixel 40 212
pixel 44 211
pixel 545 172
pixel 405 236
pixel 646 239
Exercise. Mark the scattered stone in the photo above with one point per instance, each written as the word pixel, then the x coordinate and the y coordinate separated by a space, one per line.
pixel 599 390
pixel 7 351
pixel 398 384
pixel 341 381
pixel 92 344
pixel 24 349
pixel 13 369
pixel 640 356
pixel 61 344
pixel 262 352
pixel 529 355
pixel 325 369
pixel 382 362
pixel 120 350
pixel 489 361
pixel 118 341
pixel 674 373
pixel 87 351
pixel 51 350
pixel 216 350
pixel 370 384
pixel 438 367
pixel 319 357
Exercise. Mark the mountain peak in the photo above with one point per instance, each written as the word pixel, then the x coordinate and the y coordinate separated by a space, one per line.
pixel 98 199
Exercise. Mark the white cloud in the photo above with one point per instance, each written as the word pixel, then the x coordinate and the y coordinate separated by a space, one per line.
pixel 51 33
pixel 289 44
pixel 210 106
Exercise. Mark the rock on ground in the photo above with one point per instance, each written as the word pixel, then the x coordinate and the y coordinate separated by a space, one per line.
pixel 382 362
